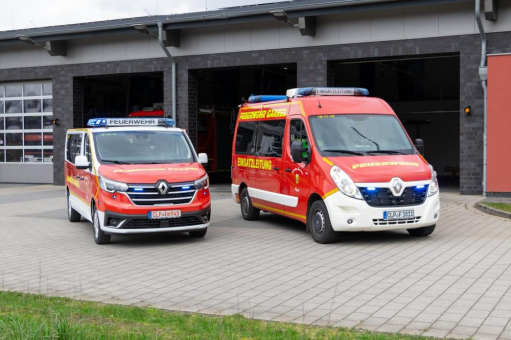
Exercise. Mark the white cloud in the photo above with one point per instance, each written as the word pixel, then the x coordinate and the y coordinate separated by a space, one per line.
pixel 30 13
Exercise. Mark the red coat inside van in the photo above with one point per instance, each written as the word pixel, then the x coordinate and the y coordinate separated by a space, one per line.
pixel 334 159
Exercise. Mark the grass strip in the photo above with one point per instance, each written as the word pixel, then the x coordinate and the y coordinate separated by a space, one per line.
pixel 26 316
pixel 499 206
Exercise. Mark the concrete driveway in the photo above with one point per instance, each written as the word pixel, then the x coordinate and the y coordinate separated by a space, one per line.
pixel 455 283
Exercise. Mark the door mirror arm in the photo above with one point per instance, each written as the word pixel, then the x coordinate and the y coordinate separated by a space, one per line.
pixel 419 145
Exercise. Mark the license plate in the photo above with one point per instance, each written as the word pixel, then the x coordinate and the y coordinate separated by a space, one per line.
pixel 163 214
pixel 396 215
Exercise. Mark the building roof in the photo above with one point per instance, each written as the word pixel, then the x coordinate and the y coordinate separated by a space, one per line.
pixel 231 15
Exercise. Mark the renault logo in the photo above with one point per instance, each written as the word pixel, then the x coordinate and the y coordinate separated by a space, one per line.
pixel 397 186
pixel 162 187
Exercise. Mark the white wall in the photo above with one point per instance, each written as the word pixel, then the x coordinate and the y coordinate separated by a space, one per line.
pixel 358 27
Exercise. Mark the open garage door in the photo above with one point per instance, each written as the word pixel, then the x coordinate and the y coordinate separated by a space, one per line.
pixel 425 94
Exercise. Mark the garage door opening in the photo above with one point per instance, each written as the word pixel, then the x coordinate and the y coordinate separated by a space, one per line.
pixel 219 92
pixel 425 94
pixel 116 95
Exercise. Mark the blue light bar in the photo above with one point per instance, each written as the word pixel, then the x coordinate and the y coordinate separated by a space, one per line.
pixel 106 122
pixel 419 187
pixel 371 189
pixel 332 91
pixel 184 188
pixel 138 189
pixel 265 98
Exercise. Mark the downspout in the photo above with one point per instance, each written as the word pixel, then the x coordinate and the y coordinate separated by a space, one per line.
pixel 483 76
pixel 171 58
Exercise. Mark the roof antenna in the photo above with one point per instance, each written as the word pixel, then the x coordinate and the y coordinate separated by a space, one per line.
pixel 319 103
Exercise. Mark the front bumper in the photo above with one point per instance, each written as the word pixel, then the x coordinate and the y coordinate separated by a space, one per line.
pixel 140 224
pixel 342 208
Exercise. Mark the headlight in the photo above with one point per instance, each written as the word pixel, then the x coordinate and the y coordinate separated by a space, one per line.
pixel 433 186
pixel 344 183
pixel 202 183
pixel 112 186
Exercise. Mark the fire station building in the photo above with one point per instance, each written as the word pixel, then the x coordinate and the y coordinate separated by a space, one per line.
pixel 443 65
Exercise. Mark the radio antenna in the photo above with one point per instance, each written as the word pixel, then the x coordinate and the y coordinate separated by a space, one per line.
pixel 319 103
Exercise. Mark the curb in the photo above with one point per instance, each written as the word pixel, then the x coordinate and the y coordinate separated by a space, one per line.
pixel 491 211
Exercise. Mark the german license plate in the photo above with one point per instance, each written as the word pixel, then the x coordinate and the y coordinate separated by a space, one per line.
pixel 397 215
pixel 163 214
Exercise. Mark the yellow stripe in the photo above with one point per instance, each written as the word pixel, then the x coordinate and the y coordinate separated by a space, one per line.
pixel 78 130
pixel 93 156
pixel 328 161
pixel 330 193
pixel 264 207
pixel 81 199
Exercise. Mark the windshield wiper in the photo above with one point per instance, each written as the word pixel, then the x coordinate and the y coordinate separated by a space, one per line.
pixel 346 151
pixel 392 152
pixel 369 139
pixel 112 161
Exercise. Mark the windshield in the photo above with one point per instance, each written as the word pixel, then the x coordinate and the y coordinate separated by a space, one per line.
pixel 142 147
pixel 354 134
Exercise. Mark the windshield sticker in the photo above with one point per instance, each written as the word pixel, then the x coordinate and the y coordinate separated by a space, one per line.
pixel 327 116
pixel 156 169
pixel 254 163
pixel 263 114
pixel 367 165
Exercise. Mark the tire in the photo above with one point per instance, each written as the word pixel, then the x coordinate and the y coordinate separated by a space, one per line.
pixel 424 231
pixel 199 233
pixel 318 223
pixel 248 211
pixel 99 236
pixel 72 215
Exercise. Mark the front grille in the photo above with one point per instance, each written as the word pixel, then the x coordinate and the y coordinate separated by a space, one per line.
pixel 147 194
pixel 381 221
pixel 383 197
pixel 168 223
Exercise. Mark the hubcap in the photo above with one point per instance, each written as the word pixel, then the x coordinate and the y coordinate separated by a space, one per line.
pixel 318 222
pixel 96 225
pixel 245 204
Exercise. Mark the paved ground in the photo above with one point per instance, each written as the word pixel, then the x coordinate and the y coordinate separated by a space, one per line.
pixel 455 283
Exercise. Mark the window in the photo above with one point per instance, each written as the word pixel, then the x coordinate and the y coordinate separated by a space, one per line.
pixel 269 138
pixel 26 112
pixel 74 144
pixel 86 150
pixel 246 138
pixel 297 132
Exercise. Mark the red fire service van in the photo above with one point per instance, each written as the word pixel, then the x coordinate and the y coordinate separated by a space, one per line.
pixel 136 175
pixel 334 159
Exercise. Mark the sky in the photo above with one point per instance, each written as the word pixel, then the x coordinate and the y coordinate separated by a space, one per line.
pixel 39 13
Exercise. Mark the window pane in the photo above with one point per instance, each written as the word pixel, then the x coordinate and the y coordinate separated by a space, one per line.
pixel 245 138
pixel 2 139
pixel 14 155
pixel 1 107
pixel 32 105
pixel 48 138
pixel 31 90
pixel 32 139
pixel 47 89
pixel 1 123
pixel 32 122
pixel 48 156
pixel 13 123
pixel 2 153
pixel 14 139
pixel 48 105
pixel 13 106
pixel 33 156
pixel 2 92
pixel 269 138
pixel 13 91
pixel 47 122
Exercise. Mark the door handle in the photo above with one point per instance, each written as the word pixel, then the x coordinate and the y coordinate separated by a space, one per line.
pixel 78 177
pixel 288 169
pixel 276 168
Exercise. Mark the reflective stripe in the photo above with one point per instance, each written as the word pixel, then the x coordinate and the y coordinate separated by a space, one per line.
pixel 264 207
pixel 331 192
pixel 328 161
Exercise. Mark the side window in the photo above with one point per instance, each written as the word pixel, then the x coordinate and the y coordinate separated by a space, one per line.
pixel 246 138
pixel 269 138
pixel 297 132
pixel 68 148
pixel 87 150
pixel 74 146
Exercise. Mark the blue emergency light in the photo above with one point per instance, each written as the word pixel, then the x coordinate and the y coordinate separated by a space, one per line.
pixel 265 98
pixel 106 122
pixel 332 91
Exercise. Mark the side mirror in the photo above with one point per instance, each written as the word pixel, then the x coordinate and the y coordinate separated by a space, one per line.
pixel 203 159
pixel 81 162
pixel 297 151
pixel 419 144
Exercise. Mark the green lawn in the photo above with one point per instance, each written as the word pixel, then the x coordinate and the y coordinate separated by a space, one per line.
pixel 25 316
pixel 499 206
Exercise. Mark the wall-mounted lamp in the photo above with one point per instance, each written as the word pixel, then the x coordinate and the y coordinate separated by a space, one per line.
pixel 55 122
pixel 467 110
pixel 282 16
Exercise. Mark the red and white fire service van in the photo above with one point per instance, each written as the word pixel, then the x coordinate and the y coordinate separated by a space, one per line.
pixel 136 175
pixel 334 159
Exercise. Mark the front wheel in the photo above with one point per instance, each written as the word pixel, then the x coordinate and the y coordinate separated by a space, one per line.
pixel 72 215
pixel 424 231
pixel 248 211
pixel 318 223
pixel 99 236
pixel 198 233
